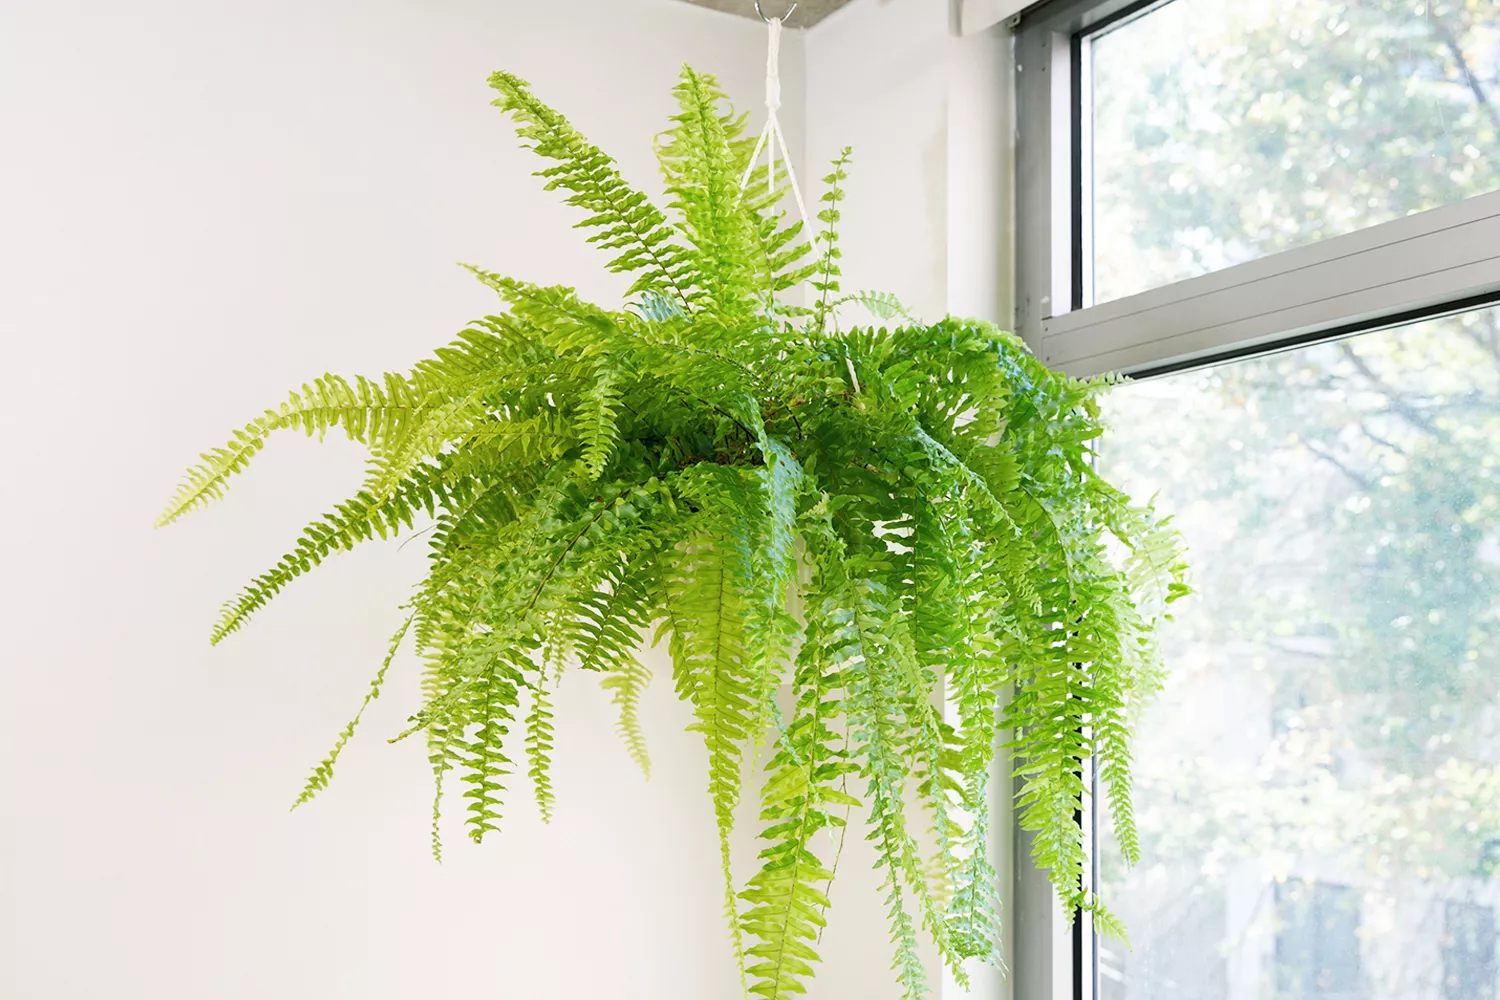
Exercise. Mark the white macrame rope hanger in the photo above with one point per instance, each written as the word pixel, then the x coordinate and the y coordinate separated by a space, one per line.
pixel 771 136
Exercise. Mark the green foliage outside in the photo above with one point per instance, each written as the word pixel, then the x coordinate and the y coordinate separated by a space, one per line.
pixel 1342 502
pixel 710 457
pixel 1227 131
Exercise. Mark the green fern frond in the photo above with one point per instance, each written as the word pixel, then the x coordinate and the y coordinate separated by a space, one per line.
pixel 627 682
pixel 493 697
pixel 825 280
pixel 363 409
pixel 596 421
pixel 539 742
pixel 381 415
pixel 204 483
pixel 873 712
pixel 798 800
pixel 625 219
pixel 323 773
pixel 711 662
pixel 361 519
pixel 881 305
pixel 744 254
pixel 611 624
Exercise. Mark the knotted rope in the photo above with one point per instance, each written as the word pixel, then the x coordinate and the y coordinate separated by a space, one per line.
pixel 771 136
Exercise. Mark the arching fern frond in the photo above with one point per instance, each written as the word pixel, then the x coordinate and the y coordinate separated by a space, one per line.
pixel 881 305
pixel 360 519
pixel 625 219
pixel 385 415
pixel 825 280
pixel 366 411
pixel 702 157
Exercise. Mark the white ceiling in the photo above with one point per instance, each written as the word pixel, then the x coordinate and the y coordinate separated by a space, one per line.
pixel 808 13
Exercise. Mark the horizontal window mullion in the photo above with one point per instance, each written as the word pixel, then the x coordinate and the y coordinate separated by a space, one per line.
pixel 1446 254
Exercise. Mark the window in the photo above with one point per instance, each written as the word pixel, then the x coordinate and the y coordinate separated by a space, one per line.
pixel 1223 132
pixel 1283 218
pixel 1317 941
pixel 1319 785
pixel 1468 952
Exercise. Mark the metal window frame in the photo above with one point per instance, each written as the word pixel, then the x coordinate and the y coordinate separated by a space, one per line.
pixel 1439 262
pixel 1430 263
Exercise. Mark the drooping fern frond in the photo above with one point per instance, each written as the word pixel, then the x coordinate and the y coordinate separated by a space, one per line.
pixel 539 742
pixel 492 698
pixel 883 734
pixel 628 682
pixel 611 623
pixel 323 773
pixel 838 532
pixel 799 799
pixel 711 591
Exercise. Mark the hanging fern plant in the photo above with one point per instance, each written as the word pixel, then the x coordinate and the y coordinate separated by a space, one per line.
pixel 853 541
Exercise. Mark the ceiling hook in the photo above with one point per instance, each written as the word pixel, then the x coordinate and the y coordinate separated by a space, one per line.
pixel 790 11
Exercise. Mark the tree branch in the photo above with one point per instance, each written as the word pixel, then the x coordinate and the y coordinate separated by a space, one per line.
pixel 1408 412
pixel 1354 476
pixel 1377 439
pixel 1451 43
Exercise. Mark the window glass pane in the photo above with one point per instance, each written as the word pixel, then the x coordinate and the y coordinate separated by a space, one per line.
pixel 1225 130
pixel 1318 787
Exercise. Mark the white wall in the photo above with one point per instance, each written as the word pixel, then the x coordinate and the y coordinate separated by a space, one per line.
pixel 928 217
pixel 928 115
pixel 200 205
pixel 203 204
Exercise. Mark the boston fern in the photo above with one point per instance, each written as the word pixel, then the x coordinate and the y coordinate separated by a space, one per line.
pixel 854 542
